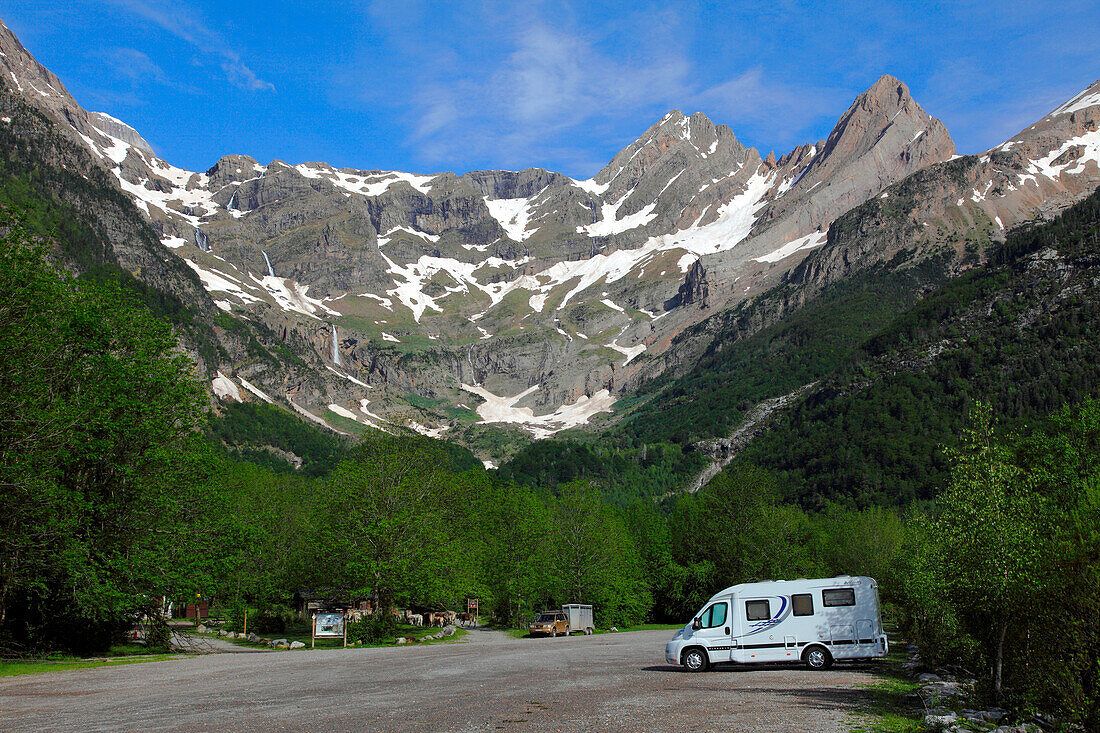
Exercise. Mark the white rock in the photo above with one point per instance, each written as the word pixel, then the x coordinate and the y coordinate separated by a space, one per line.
pixel 297 645
pixel 939 722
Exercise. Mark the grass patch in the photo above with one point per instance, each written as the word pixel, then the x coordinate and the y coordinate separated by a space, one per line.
pixel 886 707
pixel 887 711
pixel 302 633
pixel 642 627
pixel 13 667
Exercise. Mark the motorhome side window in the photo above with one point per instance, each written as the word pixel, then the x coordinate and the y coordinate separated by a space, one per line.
pixel 714 616
pixel 838 597
pixel 757 610
pixel 802 604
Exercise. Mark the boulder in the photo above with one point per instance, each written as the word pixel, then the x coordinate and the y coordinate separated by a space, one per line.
pixel 201 629
pixel 253 638
pixel 402 640
pixel 278 642
pixel 449 630
pixel 939 720
pixel 928 677
pixel 297 645
pixel 993 715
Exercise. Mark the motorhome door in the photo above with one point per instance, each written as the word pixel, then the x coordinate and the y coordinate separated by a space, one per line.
pixel 714 631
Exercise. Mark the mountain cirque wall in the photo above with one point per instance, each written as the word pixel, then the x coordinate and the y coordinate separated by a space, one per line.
pixel 530 297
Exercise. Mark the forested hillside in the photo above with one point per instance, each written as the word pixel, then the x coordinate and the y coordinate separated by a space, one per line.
pixel 1019 333
pixel 892 376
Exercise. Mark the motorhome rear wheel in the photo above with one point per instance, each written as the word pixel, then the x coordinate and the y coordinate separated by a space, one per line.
pixel 817 657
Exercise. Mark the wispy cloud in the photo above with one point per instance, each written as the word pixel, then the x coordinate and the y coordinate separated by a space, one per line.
pixel 753 99
pixel 550 83
pixel 558 96
pixel 139 69
pixel 183 22
pixel 135 65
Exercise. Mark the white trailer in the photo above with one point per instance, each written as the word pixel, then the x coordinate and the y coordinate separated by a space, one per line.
pixel 580 617
pixel 813 621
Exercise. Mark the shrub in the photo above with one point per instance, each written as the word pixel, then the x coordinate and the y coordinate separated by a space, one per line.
pixel 373 629
pixel 271 620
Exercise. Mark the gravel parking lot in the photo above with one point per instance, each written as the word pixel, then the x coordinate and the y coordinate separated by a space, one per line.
pixel 612 682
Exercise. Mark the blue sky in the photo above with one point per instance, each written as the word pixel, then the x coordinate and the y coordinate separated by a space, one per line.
pixel 430 86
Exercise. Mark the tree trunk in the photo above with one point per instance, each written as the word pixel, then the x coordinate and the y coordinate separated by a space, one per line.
pixel 998 663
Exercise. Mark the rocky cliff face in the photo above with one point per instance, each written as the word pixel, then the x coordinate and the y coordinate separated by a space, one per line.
pixel 529 297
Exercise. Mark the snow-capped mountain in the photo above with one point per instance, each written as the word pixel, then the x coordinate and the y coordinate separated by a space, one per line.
pixel 433 300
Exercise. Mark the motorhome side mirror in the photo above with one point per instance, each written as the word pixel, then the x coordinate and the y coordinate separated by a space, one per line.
pixel 696 625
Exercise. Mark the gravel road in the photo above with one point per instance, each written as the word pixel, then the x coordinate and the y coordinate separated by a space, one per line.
pixel 607 682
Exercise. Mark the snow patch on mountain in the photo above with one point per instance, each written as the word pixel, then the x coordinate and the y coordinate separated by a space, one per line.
pixel 363 183
pixel 589 185
pixel 609 223
pixel 1084 100
pixel 734 222
pixel 255 390
pixel 1089 143
pixel 513 215
pixel 497 409
pixel 430 432
pixel 384 239
pixel 225 389
pixel 215 281
pixel 628 351
pixel 291 296
pixel 811 240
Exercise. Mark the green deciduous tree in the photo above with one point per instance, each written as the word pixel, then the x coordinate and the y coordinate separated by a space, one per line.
pixel 97 431
pixel 990 537
pixel 594 559
pixel 392 523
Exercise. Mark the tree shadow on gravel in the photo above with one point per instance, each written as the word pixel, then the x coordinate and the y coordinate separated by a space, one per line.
pixel 791 667
pixel 852 701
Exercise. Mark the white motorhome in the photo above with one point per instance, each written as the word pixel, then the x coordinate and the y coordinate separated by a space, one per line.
pixel 813 621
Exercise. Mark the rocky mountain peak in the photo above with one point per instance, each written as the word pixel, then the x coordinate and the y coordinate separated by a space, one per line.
pixel 117 128
pixel 675 137
pixel 887 106
pixel 887 91
pixel 883 137
pixel 233 169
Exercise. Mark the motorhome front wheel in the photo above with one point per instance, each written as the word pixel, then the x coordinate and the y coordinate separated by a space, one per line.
pixel 696 660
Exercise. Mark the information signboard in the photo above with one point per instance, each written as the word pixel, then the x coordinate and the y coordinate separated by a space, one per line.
pixel 329 625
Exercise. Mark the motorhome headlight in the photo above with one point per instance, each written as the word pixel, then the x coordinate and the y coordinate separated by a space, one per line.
pixel 678 634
